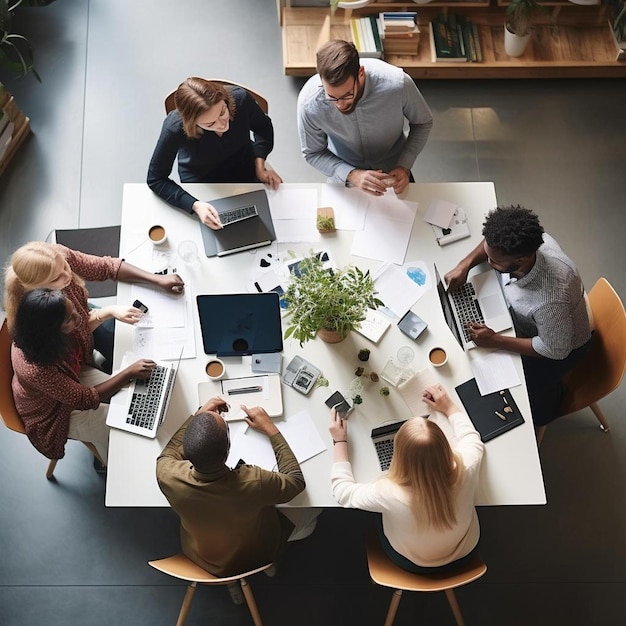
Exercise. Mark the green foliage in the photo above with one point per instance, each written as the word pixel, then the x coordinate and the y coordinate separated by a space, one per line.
pixel 16 52
pixel 320 299
pixel 520 15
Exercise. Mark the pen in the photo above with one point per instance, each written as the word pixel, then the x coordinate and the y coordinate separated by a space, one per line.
pixel 255 389
pixel 501 416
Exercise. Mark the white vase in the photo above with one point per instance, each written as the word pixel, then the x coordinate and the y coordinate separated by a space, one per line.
pixel 514 45
pixel 352 4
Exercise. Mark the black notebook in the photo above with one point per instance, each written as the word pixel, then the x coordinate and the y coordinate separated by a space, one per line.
pixel 493 414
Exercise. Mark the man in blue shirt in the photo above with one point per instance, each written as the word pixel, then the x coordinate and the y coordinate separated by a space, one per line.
pixel 351 119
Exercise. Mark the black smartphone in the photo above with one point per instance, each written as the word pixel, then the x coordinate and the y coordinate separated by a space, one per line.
pixel 138 304
pixel 342 406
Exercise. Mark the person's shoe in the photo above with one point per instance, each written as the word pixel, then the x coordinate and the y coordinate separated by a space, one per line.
pixel 236 594
pixel 100 469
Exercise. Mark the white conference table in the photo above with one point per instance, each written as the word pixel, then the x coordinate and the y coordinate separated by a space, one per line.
pixel 511 471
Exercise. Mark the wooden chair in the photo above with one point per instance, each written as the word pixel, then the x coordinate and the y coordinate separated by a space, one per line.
pixel 260 100
pixel 8 412
pixel 601 370
pixel 386 573
pixel 179 566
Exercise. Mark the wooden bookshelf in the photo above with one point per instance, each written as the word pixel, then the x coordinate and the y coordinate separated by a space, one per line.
pixel 570 40
pixel 21 127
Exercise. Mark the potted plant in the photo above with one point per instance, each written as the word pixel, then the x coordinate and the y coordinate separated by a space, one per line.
pixel 328 303
pixel 16 52
pixel 518 25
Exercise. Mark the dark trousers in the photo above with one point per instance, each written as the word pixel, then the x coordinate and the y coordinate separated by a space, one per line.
pixel 543 380
pixel 103 342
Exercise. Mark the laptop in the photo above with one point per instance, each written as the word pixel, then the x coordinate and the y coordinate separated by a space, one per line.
pixel 479 300
pixel 141 407
pixel 382 438
pixel 253 228
pixel 236 324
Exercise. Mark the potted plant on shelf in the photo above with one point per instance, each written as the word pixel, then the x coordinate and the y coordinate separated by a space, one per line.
pixel 520 15
pixel 326 303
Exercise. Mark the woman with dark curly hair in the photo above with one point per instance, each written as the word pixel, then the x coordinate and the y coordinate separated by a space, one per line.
pixel 57 397
pixel 209 132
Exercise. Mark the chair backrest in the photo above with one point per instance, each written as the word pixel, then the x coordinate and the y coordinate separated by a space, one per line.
pixel 8 412
pixel 602 368
pixel 260 100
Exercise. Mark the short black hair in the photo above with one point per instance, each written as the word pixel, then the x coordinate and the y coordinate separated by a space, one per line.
pixel 513 230
pixel 37 328
pixel 205 442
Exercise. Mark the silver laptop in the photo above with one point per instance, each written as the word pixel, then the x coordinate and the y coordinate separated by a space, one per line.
pixel 253 227
pixel 479 300
pixel 382 438
pixel 141 407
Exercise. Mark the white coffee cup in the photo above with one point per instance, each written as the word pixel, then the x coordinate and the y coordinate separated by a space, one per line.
pixel 157 234
pixel 215 369
pixel 438 356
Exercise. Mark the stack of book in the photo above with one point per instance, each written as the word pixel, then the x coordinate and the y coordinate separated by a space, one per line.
pixel 399 31
pixel 366 37
pixel 618 28
pixel 454 39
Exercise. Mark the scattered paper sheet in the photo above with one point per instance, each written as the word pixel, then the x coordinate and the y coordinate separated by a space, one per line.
pixel 255 449
pixel 349 205
pixel 400 288
pixel 164 310
pixel 440 213
pixel 290 204
pixel 296 230
pixel 494 371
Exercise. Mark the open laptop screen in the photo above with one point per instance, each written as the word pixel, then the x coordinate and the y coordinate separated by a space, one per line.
pixel 447 307
pixel 240 323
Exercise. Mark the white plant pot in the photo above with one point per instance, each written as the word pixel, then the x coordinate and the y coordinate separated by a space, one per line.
pixel 514 45
pixel 353 4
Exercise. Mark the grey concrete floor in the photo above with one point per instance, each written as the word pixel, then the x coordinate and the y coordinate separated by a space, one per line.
pixel 555 146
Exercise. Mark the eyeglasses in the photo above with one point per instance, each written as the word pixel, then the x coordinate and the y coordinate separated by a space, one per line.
pixel 349 96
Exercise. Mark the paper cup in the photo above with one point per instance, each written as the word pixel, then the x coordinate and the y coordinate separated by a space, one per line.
pixel 437 356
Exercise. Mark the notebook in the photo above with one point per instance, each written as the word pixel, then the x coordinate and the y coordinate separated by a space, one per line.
pixel 264 391
pixel 254 232
pixel 141 407
pixel 238 324
pixel 479 300
pixel 493 414
pixel 382 438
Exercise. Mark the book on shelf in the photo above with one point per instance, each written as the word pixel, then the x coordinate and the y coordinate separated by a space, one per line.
pixel 454 39
pixel 362 31
pixel 442 44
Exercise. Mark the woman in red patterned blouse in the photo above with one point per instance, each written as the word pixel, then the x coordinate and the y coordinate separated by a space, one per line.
pixel 57 397
pixel 44 265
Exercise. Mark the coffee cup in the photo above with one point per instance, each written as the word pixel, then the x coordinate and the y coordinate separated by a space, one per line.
pixel 215 369
pixel 438 356
pixel 157 234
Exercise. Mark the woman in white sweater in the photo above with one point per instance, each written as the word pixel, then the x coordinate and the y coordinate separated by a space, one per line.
pixel 427 496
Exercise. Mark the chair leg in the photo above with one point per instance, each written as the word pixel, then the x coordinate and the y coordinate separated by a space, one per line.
pixel 50 470
pixel 393 607
pixel 454 605
pixel 604 425
pixel 184 609
pixel 251 602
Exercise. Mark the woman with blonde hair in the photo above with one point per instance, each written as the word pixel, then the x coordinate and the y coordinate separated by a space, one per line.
pixel 209 132
pixel 43 265
pixel 427 497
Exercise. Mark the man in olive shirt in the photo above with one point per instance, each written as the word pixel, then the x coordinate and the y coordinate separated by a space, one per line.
pixel 229 522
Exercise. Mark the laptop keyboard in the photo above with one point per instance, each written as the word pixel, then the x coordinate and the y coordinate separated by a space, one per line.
pixel 236 215
pixel 384 450
pixel 467 308
pixel 144 406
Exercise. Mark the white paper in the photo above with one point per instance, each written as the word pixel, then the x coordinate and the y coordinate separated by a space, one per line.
pixel 296 231
pixel 165 310
pixel 494 371
pixel 440 213
pixel 255 448
pixel 290 204
pixel 397 290
pixel 349 205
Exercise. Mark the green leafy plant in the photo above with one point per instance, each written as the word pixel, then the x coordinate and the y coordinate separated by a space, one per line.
pixel 16 52
pixel 520 16
pixel 330 300
pixel 325 224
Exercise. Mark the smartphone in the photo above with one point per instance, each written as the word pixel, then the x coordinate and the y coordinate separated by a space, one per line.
pixel 138 304
pixel 342 406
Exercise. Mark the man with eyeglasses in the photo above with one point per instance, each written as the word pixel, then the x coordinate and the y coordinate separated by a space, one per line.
pixel 229 522
pixel 351 119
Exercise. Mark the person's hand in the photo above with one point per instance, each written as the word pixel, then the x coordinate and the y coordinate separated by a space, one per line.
pixel 140 369
pixel 171 283
pixel 338 427
pixel 373 182
pixel 269 177
pixel 258 419
pixel 437 397
pixel 217 405
pixel 400 177
pixel 126 314
pixel 207 214
pixel 456 277
pixel 482 335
